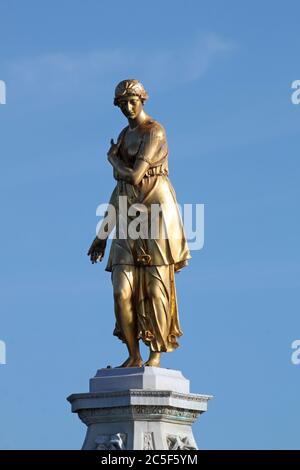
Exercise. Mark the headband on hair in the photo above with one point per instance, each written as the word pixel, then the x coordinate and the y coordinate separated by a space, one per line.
pixel 129 88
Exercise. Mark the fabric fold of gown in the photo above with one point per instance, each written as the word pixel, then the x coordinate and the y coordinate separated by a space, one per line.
pixel 149 263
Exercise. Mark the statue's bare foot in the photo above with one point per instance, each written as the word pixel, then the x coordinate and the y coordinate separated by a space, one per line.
pixel 124 363
pixel 154 360
pixel 132 362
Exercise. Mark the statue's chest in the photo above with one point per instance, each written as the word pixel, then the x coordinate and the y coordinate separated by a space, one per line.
pixel 130 146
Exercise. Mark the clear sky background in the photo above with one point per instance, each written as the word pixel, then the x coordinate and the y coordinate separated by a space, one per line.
pixel 219 77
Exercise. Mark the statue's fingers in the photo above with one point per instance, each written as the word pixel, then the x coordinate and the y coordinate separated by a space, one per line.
pixel 91 249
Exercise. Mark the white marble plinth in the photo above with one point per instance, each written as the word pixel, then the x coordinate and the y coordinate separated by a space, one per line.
pixel 140 408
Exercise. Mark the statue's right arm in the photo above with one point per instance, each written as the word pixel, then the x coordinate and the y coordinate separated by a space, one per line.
pixel 108 223
pixel 97 248
pixel 109 220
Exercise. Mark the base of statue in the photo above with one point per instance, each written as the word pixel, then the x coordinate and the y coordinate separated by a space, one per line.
pixel 139 408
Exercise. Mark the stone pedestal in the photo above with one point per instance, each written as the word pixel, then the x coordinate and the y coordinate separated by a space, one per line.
pixel 143 408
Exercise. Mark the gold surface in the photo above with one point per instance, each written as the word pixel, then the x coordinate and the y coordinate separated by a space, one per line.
pixel 143 268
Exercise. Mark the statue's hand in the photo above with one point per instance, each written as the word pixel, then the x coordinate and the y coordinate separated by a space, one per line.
pixel 113 151
pixel 116 175
pixel 97 250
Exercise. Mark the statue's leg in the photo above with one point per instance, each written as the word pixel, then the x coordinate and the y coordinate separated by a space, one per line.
pixel 154 359
pixel 160 321
pixel 123 284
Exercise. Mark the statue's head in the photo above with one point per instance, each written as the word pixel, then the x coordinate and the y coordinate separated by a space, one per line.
pixel 130 96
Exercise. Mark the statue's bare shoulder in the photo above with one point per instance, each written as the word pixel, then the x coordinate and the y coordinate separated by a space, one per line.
pixel 152 129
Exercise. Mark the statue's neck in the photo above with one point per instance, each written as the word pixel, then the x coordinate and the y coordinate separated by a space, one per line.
pixel 133 123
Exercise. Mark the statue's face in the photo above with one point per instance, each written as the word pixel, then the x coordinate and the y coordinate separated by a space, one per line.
pixel 131 106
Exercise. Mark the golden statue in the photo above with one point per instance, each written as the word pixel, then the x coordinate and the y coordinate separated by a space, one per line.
pixel 143 267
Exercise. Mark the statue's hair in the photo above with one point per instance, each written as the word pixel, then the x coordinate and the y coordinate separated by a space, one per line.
pixel 130 87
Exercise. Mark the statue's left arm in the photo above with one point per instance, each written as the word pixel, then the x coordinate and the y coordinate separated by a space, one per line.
pixel 150 144
pixel 130 175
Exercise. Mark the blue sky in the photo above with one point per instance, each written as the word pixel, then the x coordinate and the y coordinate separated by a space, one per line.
pixel 219 77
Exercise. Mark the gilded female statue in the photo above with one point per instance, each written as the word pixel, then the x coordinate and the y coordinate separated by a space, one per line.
pixel 143 268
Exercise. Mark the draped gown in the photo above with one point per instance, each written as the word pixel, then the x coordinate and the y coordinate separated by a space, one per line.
pixel 149 261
